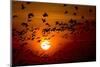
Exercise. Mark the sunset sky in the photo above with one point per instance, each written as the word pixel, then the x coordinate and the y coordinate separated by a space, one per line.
pixel 69 29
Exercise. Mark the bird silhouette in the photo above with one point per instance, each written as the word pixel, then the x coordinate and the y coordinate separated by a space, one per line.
pixel 90 10
pixel 82 17
pixel 29 20
pixel 64 5
pixel 74 14
pixel 66 12
pixel 22 6
pixel 47 24
pixel 28 2
pixel 39 41
pixel 57 22
pixel 14 16
pixel 24 24
pixel 30 15
pixel 76 7
pixel 45 15
pixel 44 20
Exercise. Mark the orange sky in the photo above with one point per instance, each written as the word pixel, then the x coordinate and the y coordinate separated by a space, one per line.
pixel 56 12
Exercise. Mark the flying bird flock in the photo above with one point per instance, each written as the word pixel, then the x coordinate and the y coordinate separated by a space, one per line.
pixel 61 24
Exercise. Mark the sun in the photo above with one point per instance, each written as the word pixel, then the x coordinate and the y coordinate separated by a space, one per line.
pixel 45 45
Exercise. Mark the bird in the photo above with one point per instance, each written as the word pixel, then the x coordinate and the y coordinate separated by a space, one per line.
pixel 47 24
pixel 46 30
pixel 71 21
pixel 74 14
pixel 36 28
pixel 24 24
pixel 22 6
pixel 43 20
pixel 66 12
pixel 90 10
pixel 39 41
pixel 64 5
pixel 29 20
pixel 82 17
pixel 28 2
pixel 15 16
pixel 45 15
pixel 76 7
pixel 32 38
pixel 30 15
pixel 57 22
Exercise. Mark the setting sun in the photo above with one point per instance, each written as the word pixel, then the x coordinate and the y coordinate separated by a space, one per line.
pixel 45 45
